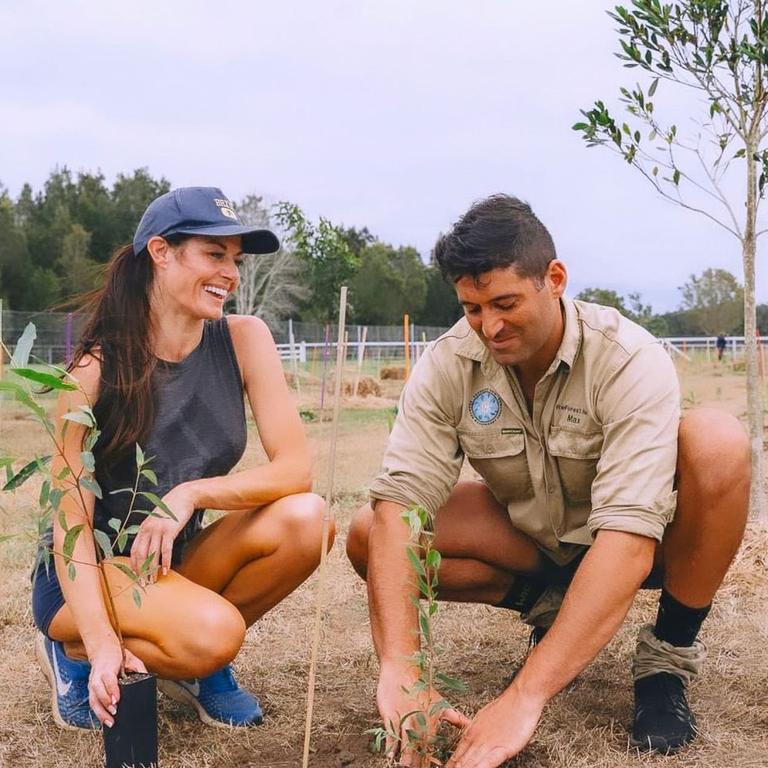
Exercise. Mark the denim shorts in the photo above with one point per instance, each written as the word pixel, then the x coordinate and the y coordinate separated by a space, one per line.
pixel 47 597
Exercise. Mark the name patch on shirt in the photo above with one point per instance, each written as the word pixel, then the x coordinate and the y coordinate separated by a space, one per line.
pixel 573 414
pixel 485 406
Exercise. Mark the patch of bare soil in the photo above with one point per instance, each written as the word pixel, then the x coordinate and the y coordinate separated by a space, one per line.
pixel 584 727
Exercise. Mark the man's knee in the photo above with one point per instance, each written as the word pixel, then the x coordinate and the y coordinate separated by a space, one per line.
pixel 713 451
pixel 357 540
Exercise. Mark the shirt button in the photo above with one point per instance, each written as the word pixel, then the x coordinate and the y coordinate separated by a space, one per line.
pixel 488 448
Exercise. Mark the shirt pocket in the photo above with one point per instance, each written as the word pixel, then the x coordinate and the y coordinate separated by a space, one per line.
pixel 501 460
pixel 576 455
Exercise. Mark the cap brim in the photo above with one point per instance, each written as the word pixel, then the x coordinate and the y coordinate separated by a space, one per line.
pixel 255 241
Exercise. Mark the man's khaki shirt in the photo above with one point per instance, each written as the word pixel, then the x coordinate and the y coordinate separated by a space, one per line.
pixel 598 452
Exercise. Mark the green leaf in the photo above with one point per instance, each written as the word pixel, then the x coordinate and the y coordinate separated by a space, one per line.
pixel 114 524
pixel 416 563
pixel 23 397
pixel 580 127
pixel 79 417
pixel 70 540
pixel 450 682
pixel 46 379
pixel 150 475
pixel 55 497
pixel 45 490
pixel 90 484
pixel 121 541
pixel 20 356
pixel 63 474
pixel 433 559
pixel 123 568
pixel 654 86
pixel 88 461
pixel 121 490
pixel 159 503
pixel 103 541
pixel 137 598
pixel 140 460
pixel 147 566
pixel 71 571
pixel 676 177
pixel 26 472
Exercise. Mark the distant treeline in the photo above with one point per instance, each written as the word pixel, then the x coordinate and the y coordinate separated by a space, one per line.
pixel 53 243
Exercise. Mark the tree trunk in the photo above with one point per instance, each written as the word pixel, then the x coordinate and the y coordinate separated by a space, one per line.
pixel 757 504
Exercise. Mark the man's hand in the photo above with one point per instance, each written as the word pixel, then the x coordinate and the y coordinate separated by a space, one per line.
pixel 396 698
pixel 499 731
pixel 158 532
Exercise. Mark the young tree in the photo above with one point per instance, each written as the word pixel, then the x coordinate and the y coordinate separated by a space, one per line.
pixel 718 49
pixel 271 285
pixel 325 254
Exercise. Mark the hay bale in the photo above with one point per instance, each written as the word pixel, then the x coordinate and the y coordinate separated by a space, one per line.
pixel 394 372
pixel 366 387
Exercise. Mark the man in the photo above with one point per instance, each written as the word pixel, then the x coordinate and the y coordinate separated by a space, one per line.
pixel 592 488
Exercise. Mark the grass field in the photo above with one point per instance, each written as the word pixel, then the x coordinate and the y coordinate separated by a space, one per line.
pixel 584 727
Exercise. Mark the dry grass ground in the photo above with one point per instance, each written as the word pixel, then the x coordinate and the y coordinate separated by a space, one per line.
pixel 584 727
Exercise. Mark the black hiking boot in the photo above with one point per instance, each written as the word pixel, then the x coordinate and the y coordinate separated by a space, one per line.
pixel 663 721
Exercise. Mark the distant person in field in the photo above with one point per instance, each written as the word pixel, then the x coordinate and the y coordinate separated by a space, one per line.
pixel 720 344
pixel 165 368
pixel 592 487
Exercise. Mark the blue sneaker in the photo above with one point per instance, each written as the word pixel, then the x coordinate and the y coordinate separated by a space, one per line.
pixel 69 685
pixel 218 699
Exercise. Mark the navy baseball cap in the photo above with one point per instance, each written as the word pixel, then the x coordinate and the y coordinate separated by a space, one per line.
pixel 199 211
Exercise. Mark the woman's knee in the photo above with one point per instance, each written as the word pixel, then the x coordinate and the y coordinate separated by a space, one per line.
pixel 212 639
pixel 301 519
pixel 357 540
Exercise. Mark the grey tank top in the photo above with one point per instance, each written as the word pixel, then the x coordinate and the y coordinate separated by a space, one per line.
pixel 199 431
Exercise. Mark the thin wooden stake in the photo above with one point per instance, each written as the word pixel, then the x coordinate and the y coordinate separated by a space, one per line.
pixel 360 356
pixel 407 345
pixel 340 352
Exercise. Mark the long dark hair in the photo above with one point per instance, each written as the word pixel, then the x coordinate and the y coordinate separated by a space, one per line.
pixel 117 333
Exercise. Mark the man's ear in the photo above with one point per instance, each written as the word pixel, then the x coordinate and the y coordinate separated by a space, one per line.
pixel 159 251
pixel 557 277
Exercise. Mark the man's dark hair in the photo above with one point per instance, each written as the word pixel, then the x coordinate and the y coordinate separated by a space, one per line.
pixel 496 232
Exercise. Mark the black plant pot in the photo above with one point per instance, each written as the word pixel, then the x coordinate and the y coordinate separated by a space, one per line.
pixel 132 741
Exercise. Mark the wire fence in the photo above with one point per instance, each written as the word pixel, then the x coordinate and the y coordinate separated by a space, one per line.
pixel 58 333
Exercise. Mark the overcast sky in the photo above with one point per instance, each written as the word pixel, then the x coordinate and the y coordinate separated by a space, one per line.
pixel 390 114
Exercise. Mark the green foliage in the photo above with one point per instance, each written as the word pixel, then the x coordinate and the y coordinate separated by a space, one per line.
pixel 718 49
pixel 715 300
pixel 429 749
pixel 389 283
pixel 604 296
pixel 52 241
pixel 324 251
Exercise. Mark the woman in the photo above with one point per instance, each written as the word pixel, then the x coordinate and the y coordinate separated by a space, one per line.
pixel 165 369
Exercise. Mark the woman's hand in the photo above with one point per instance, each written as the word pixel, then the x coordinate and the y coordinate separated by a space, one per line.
pixel 103 691
pixel 158 532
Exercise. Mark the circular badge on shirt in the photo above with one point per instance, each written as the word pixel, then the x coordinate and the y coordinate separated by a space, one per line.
pixel 485 406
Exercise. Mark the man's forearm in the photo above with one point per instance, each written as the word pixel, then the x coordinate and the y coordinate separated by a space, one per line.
pixel 594 608
pixel 391 587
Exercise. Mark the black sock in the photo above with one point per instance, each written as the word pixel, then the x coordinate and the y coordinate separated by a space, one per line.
pixel 677 624
pixel 523 593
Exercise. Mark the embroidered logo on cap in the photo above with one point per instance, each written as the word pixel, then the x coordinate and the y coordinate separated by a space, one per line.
pixel 485 406
pixel 226 208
